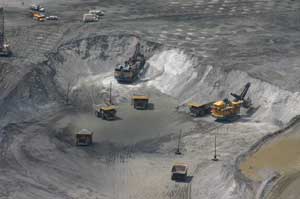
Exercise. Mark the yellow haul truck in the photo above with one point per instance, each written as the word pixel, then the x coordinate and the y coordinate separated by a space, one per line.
pixel 140 102
pixel 179 171
pixel 38 16
pixel 84 137
pixel 105 112
pixel 197 110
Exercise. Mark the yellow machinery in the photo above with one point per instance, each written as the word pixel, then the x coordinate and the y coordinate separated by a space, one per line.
pixel 197 110
pixel 84 138
pixel 140 102
pixel 38 16
pixel 105 112
pixel 226 109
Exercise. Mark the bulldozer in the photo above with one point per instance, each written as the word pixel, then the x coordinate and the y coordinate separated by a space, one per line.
pixel 198 110
pixel 130 70
pixel 140 102
pixel 226 109
pixel 5 50
pixel 106 112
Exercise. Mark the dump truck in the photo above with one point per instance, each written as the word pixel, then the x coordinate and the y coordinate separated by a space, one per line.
pixel 5 50
pixel 130 70
pixel 38 16
pixel 179 171
pixel 140 102
pixel 226 109
pixel 84 137
pixel 197 110
pixel 90 18
pixel 106 112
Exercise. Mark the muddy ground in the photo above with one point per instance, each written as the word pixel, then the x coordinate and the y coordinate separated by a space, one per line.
pixel 197 50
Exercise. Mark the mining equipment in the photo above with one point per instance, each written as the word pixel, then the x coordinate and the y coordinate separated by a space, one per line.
pixel 84 137
pixel 179 171
pixel 131 69
pixel 106 112
pixel 140 102
pixel 197 110
pixel 4 47
pixel 246 102
pixel 38 16
pixel 226 109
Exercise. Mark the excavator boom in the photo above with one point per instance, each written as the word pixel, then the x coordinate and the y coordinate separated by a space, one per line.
pixel 243 94
pixel 136 52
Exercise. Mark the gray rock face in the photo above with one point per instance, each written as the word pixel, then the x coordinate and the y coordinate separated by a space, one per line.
pixel 196 50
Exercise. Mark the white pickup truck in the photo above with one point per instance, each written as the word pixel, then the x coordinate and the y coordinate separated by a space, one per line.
pixel 90 18
pixel 97 12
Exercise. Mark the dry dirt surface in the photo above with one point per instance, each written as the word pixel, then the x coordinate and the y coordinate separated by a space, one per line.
pixel 196 50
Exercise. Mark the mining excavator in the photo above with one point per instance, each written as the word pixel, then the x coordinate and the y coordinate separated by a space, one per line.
pixel 4 47
pixel 131 69
pixel 226 109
